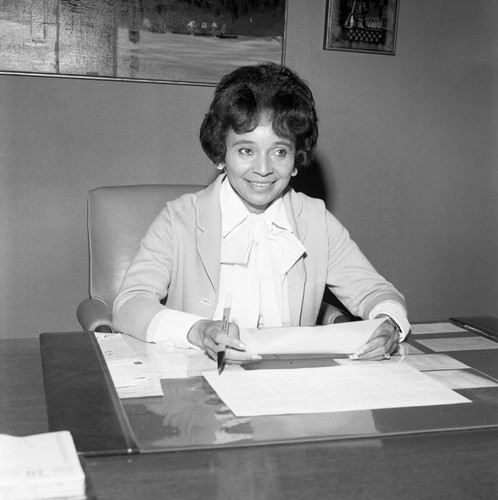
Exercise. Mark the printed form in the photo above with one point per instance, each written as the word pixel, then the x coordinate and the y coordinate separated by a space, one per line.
pixel 329 389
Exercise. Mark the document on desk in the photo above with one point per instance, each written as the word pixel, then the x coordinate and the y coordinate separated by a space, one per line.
pixel 341 338
pixel 429 328
pixel 329 389
pixel 129 374
pixel 40 466
pixel 473 343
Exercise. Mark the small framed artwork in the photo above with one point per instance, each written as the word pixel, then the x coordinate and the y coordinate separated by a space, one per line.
pixel 362 26
pixel 173 41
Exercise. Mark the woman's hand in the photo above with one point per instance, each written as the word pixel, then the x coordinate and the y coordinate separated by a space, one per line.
pixel 208 335
pixel 380 345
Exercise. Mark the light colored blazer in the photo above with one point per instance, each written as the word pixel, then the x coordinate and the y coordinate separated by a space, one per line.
pixel 179 261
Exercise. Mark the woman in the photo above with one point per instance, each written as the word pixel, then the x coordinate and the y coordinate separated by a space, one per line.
pixel 249 237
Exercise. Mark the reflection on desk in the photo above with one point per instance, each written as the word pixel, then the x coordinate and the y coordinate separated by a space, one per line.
pixel 191 415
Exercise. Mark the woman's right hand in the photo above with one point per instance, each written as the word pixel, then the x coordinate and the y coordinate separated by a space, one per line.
pixel 209 336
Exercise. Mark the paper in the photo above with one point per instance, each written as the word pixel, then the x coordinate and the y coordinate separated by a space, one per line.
pixel 115 348
pixel 462 379
pixel 166 362
pixel 422 362
pixel 428 328
pixel 130 375
pixel 40 466
pixel 329 389
pixel 459 344
pixel 341 338
pixel 172 362
pixel 137 367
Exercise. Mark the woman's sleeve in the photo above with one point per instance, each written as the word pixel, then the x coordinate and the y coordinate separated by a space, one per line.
pixel 351 277
pixel 147 280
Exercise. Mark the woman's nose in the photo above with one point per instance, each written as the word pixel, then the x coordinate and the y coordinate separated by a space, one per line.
pixel 263 166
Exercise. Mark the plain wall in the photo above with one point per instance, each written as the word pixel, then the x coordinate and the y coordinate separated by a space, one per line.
pixel 407 157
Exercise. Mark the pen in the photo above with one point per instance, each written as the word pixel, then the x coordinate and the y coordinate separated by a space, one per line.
pixel 224 329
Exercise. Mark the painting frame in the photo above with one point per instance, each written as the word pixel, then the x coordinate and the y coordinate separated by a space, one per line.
pixel 185 42
pixel 362 26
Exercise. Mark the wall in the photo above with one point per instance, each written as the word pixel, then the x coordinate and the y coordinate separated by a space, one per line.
pixel 407 157
pixel 409 149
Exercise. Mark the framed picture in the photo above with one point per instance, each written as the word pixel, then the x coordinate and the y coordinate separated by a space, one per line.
pixel 361 26
pixel 176 41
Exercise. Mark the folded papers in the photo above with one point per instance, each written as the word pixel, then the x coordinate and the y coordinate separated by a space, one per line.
pixel 341 338
pixel 40 466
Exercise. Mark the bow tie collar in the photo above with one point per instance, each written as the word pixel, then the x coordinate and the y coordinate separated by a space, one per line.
pixel 259 236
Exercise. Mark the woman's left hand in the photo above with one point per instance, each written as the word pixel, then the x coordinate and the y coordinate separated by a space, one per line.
pixel 381 344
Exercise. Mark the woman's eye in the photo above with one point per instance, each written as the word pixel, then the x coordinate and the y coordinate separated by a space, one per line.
pixel 245 151
pixel 281 152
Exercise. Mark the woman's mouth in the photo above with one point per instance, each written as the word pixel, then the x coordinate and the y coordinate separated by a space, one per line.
pixel 260 185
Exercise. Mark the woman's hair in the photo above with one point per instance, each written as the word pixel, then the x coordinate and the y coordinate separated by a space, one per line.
pixel 252 94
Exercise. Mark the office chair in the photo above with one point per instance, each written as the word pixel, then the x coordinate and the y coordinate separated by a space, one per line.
pixel 118 217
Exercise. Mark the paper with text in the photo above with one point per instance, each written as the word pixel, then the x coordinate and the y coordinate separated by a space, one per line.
pixel 473 343
pixel 341 338
pixel 40 466
pixel 428 328
pixel 130 375
pixel 422 362
pixel 329 389
pixel 462 379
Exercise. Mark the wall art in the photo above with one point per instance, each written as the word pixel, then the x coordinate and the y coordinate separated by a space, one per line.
pixel 361 26
pixel 179 41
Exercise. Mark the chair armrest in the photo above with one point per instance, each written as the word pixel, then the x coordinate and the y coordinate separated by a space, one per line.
pixel 93 315
pixel 331 314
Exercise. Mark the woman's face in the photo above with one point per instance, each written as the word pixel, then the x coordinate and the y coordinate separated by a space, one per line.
pixel 259 165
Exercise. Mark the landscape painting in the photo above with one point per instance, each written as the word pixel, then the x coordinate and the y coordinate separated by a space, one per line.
pixel 179 41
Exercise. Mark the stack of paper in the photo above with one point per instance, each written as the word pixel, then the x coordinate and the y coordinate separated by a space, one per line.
pixel 41 466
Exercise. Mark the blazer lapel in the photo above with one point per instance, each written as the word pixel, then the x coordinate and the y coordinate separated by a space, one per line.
pixel 296 277
pixel 209 231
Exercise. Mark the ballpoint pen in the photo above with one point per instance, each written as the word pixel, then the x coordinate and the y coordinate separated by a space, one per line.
pixel 224 329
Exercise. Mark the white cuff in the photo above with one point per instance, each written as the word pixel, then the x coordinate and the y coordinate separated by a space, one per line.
pixel 396 311
pixel 171 327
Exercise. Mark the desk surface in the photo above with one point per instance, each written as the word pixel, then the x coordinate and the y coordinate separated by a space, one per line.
pixel 192 415
pixel 459 464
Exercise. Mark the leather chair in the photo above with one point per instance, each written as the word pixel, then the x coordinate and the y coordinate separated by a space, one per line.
pixel 118 217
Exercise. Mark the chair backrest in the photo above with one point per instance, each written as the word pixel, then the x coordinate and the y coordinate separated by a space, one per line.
pixel 118 217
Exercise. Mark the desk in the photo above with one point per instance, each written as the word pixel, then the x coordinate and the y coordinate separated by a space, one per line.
pixel 457 465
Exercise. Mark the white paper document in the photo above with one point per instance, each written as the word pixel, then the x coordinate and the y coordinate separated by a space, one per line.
pixel 422 362
pixel 341 338
pixel 115 348
pixel 462 379
pixel 166 362
pixel 473 343
pixel 40 466
pixel 329 389
pixel 130 375
pixel 428 328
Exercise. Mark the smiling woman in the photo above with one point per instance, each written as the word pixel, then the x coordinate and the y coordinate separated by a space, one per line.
pixel 260 126
pixel 250 237
pixel 259 165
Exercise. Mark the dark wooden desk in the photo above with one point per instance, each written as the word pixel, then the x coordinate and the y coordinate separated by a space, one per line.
pixel 456 465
